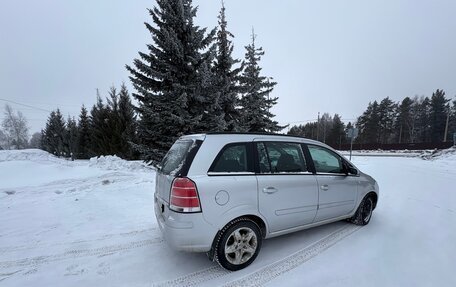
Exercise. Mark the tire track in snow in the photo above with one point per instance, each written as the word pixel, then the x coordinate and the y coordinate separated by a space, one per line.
pixel 273 270
pixel 103 237
pixel 72 254
pixel 196 278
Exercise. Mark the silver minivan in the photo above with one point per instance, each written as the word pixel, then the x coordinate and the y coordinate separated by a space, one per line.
pixel 223 193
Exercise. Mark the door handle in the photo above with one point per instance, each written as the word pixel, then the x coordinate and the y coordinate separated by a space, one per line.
pixel 270 190
pixel 324 187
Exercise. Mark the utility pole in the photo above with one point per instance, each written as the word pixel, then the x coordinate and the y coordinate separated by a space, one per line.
pixel 318 125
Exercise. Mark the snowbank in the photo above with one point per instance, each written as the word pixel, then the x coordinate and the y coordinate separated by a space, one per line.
pixel 447 154
pixel 112 162
pixel 28 154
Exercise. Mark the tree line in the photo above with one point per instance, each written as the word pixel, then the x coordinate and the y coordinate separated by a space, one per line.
pixel 188 81
pixel 412 120
pixel 109 129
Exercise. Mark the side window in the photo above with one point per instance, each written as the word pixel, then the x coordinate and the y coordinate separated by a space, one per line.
pixel 325 161
pixel 233 158
pixel 278 157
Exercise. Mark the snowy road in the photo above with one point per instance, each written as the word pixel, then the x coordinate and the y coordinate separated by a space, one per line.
pixel 85 224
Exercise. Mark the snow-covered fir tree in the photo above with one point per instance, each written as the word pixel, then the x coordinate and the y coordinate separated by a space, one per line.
pixel 128 125
pixel 167 78
pixel 227 75
pixel 54 134
pixel 99 129
pixel 83 134
pixel 71 138
pixel 256 100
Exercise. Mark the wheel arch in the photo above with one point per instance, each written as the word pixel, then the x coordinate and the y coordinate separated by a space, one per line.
pixel 255 218
pixel 374 197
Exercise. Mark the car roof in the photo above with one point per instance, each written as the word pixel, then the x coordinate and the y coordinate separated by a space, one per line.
pixel 252 136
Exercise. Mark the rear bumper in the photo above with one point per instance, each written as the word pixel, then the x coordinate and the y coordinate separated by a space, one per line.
pixel 184 231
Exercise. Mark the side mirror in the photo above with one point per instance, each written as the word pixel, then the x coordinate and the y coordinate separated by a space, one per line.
pixel 353 171
pixel 349 169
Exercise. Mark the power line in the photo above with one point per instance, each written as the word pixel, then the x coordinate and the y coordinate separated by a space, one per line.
pixel 25 105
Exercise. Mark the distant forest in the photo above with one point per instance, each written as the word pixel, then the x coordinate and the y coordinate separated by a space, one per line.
pixel 413 120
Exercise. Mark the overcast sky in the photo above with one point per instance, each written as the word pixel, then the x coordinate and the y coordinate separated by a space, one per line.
pixel 327 56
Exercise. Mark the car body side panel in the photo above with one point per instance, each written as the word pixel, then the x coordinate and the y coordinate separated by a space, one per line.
pixel 337 195
pixel 224 198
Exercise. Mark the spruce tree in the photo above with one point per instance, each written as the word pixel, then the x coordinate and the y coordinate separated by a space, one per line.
pixel 54 133
pixel 128 126
pixel 438 115
pixel 167 79
pixel 113 132
pixel 255 100
pixel 71 138
pixel 99 129
pixel 83 134
pixel 226 74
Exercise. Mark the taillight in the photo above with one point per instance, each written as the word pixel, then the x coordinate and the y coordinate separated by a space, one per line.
pixel 184 196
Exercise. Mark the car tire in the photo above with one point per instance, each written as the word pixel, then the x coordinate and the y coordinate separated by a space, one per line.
pixel 238 244
pixel 364 212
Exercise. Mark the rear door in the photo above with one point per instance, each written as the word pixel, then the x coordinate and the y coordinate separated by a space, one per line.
pixel 337 190
pixel 175 163
pixel 287 190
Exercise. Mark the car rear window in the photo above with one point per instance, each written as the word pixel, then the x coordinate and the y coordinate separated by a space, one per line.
pixel 175 158
pixel 233 158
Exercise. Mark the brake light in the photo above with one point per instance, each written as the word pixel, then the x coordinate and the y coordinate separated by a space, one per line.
pixel 184 196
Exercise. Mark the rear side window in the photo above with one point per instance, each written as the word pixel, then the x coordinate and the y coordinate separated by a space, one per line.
pixel 281 157
pixel 175 158
pixel 233 158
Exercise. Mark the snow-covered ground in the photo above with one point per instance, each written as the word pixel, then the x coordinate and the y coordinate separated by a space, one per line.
pixel 91 223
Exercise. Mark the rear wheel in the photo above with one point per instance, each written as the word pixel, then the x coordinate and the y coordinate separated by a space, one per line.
pixel 364 213
pixel 238 244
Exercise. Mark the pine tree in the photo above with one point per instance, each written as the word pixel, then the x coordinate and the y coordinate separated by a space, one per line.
pixel 386 119
pixel 325 125
pixel 404 124
pixel 309 130
pixel 368 124
pixel 83 134
pixel 227 76
pixel 422 110
pixel 167 78
pixel 54 134
pixel 438 115
pixel 336 134
pixel 255 100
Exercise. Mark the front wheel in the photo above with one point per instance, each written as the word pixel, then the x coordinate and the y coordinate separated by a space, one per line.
pixel 238 244
pixel 364 213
